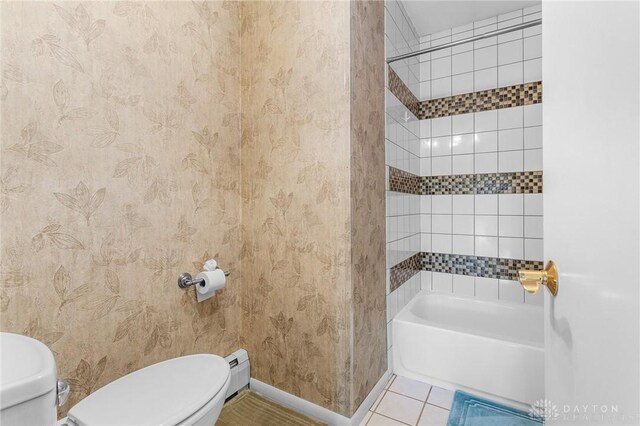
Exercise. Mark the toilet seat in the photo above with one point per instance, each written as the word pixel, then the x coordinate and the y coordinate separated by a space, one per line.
pixel 163 394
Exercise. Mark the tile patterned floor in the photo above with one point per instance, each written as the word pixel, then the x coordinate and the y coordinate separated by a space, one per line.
pixel 409 402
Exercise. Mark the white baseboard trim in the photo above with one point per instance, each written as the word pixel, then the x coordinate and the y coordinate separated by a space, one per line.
pixel 316 411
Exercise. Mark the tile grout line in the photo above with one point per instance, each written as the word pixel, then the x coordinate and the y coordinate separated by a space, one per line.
pixel 424 405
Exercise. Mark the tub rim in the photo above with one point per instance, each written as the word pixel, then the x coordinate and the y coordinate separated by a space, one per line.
pixel 407 316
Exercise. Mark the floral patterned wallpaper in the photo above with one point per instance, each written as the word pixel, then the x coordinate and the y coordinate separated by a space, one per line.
pixel 295 170
pixel 313 198
pixel 141 138
pixel 120 169
pixel 368 243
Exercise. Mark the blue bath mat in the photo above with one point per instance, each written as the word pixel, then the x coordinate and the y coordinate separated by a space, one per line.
pixel 469 410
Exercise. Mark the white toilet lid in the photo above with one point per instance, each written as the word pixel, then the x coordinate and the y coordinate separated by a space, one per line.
pixel 162 394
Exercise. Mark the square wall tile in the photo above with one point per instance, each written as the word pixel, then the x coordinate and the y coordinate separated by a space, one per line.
pixel 425 128
pixel 425 71
pixel 533 249
pixel 425 204
pixel 511 226
pixel 440 146
pixel 533 47
pixel 462 83
pixel 441 166
pixel 441 126
pixel 533 159
pixel 486 246
pixel 462 63
pixel 486 163
pixel 425 166
pixel 533 204
pixel 486 121
pixel 533 70
pixel 486 204
pixel 463 164
pixel 485 79
pixel 510 52
pixel 533 137
pixel 463 224
pixel 462 144
pixel 462 123
pixel 441 67
pixel 511 204
pixel 425 280
pixel 463 244
pixel 486 225
pixel 510 118
pixel 441 88
pixel 511 248
pixel 463 285
pixel 442 283
pixel 532 115
pixel 511 74
pixel 441 204
pixel 441 223
pixel 510 161
pixel 509 140
pixel 441 243
pixel 533 226
pixel 463 204
pixel 486 142
pixel 485 58
pixel 487 288
pixel 425 242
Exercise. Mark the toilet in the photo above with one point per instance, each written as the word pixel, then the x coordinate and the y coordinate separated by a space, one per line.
pixel 185 391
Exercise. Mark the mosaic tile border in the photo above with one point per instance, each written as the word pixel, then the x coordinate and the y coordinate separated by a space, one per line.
pixel 485 100
pixel 460 264
pixel 400 273
pixel 477 266
pixel 401 181
pixel 486 183
pixel 402 92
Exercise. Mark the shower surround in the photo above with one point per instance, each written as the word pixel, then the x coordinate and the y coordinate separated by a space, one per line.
pixel 140 139
pixel 464 160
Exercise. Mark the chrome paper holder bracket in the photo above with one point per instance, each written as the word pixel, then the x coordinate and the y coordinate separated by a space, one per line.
pixel 185 280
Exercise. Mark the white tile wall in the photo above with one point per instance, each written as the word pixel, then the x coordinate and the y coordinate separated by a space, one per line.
pixel 506 140
pixel 403 148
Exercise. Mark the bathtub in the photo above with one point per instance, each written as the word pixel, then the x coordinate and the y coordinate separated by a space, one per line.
pixel 491 349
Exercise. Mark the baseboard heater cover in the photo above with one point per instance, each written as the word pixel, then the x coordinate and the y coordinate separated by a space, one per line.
pixel 240 372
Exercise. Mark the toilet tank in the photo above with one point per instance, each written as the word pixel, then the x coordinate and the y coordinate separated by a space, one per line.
pixel 27 382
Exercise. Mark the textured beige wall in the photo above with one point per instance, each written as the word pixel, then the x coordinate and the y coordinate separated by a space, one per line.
pixel 313 212
pixel 369 353
pixel 296 211
pixel 120 169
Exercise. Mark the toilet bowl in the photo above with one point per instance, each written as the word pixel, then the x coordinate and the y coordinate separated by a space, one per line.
pixel 184 391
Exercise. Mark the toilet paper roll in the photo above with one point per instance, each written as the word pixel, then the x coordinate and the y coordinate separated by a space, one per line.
pixel 213 280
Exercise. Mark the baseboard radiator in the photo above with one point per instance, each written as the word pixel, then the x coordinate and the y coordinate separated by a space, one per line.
pixel 240 372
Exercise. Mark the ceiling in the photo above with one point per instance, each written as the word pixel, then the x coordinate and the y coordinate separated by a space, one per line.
pixel 432 16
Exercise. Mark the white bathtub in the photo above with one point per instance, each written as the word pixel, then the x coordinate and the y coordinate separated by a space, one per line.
pixel 487 348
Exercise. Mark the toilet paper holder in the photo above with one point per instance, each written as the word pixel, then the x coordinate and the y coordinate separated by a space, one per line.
pixel 185 280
